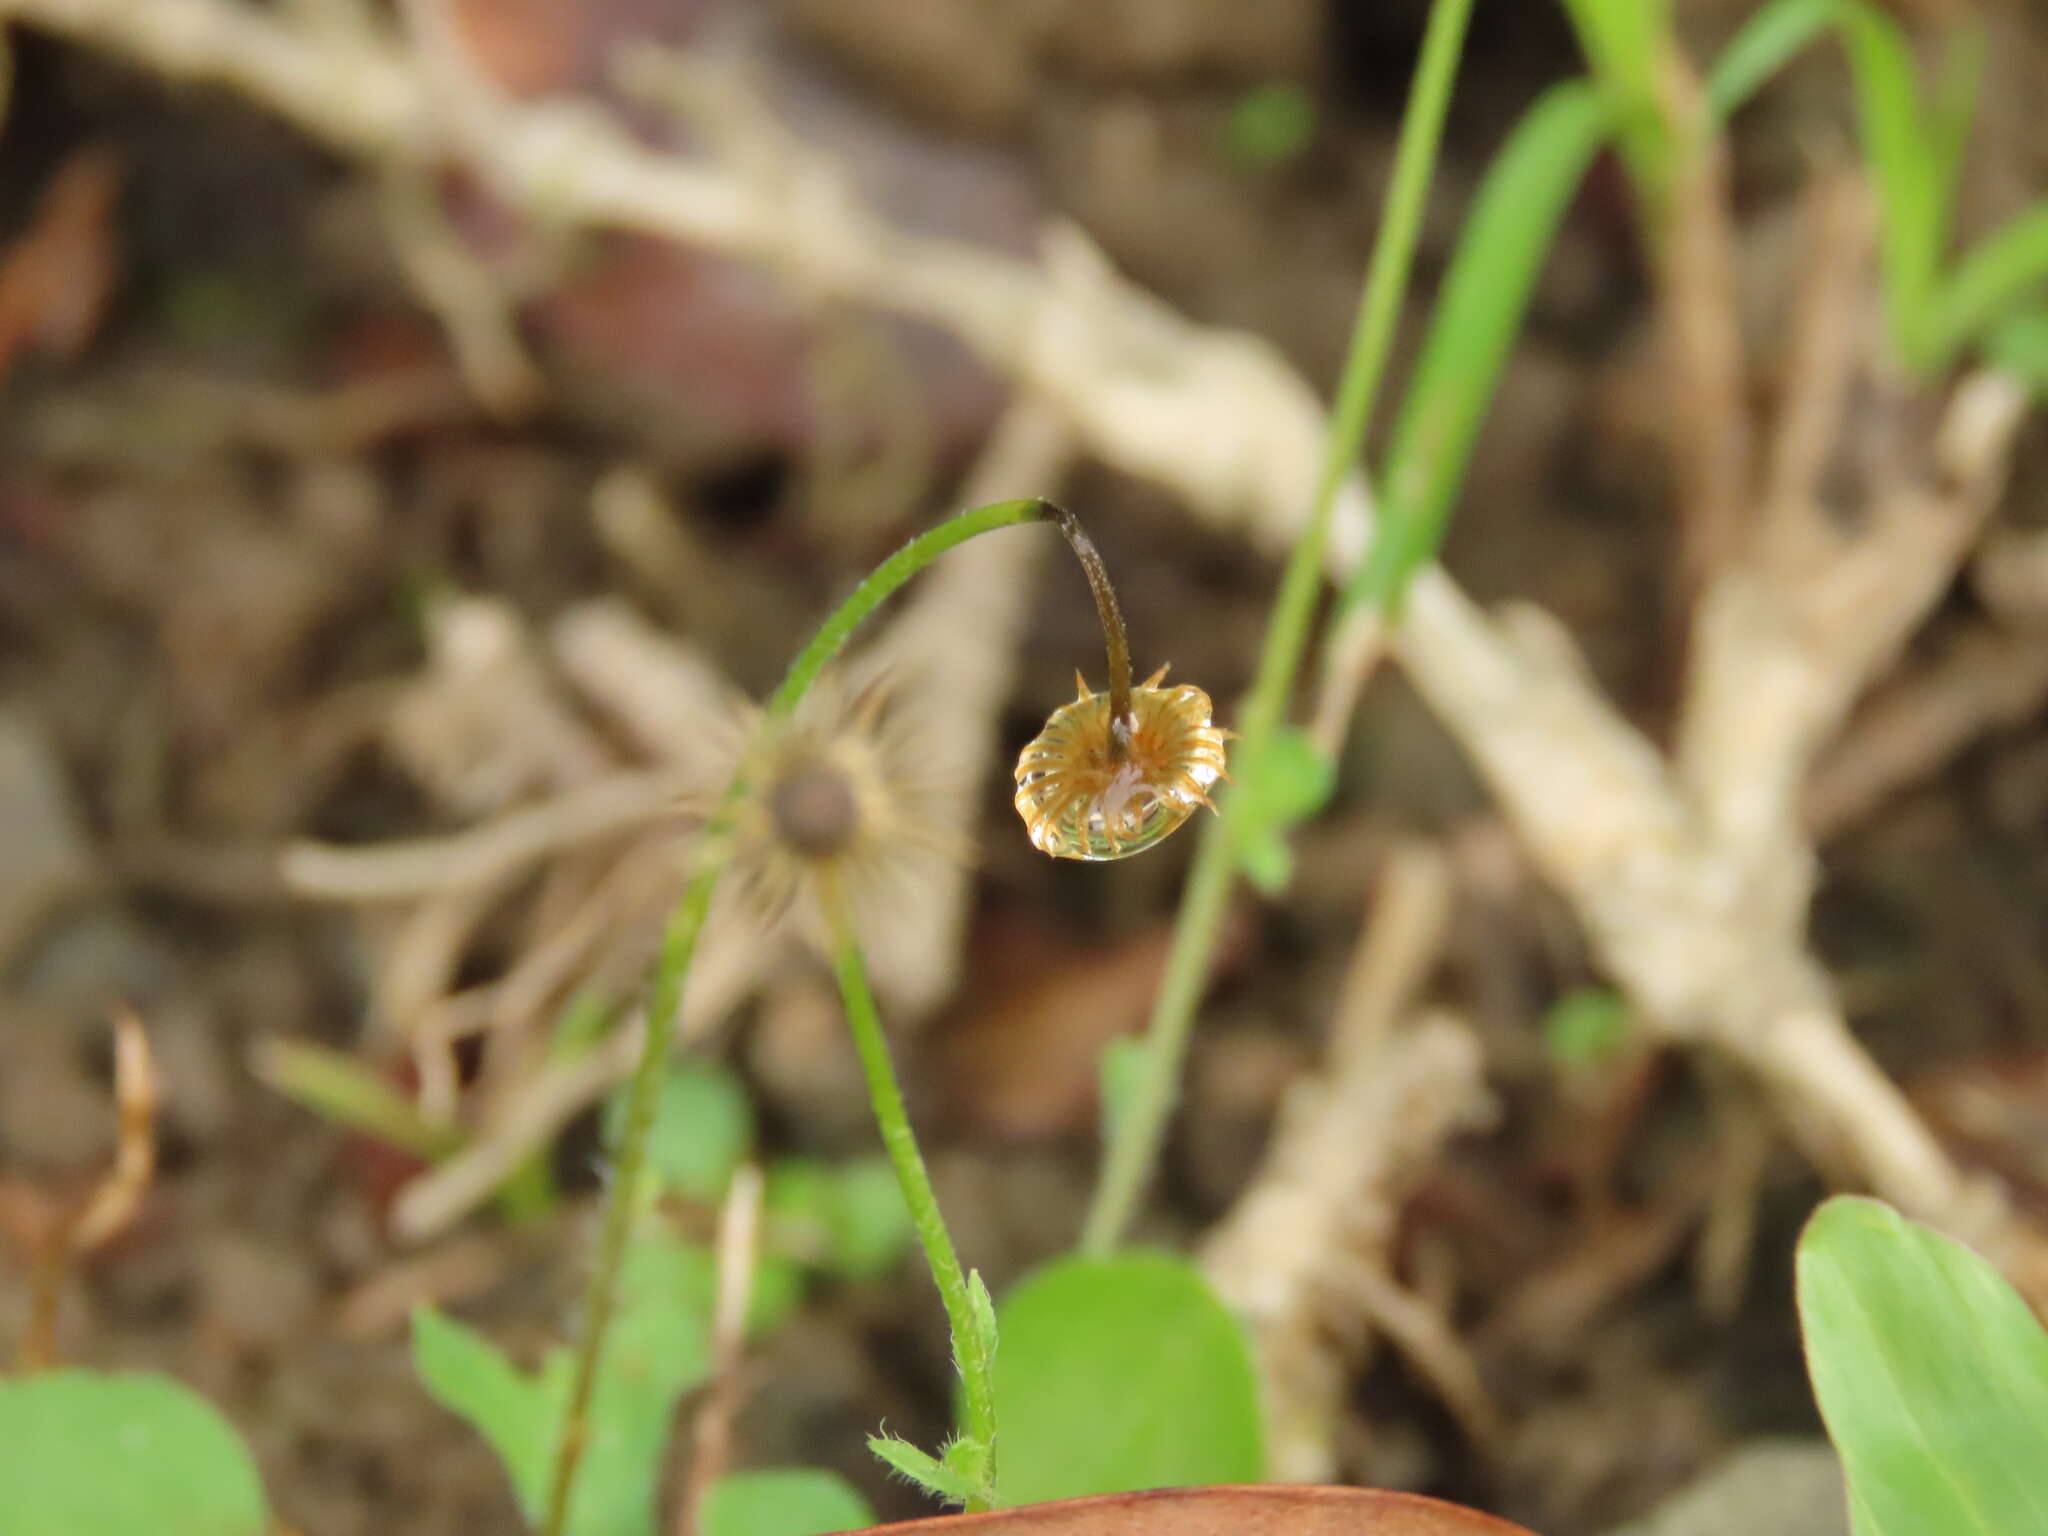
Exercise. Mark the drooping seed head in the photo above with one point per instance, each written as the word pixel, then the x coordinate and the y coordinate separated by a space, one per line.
pixel 1088 789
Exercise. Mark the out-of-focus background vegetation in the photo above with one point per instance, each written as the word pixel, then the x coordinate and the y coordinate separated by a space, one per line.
pixel 343 503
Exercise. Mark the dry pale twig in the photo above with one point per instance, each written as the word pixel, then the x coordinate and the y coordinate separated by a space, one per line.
pixel 1217 415
pixel 482 331
pixel 1691 880
pixel 952 651
pixel 112 1202
pixel 1426 1339
pixel 1694 259
pixel 1984 682
pixel 1323 1205
pixel 739 1225
pixel 2010 574
pixel 484 854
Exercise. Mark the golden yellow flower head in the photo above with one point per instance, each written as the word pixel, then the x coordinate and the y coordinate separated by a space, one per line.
pixel 1091 786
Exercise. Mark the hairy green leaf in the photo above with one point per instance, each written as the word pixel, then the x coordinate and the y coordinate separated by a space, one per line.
pixel 942 1479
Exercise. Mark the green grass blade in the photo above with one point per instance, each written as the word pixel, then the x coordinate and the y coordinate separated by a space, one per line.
pixel 1931 1373
pixel 2020 346
pixel 1623 41
pixel 1131 1155
pixel 1485 294
pixel 1953 113
pixel 2004 270
pixel 1904 160
pixel 1766 43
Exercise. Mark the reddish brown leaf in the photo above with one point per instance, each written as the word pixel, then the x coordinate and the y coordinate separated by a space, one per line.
pixel 57 275
pixel 1022 1048
pixel 1270 1511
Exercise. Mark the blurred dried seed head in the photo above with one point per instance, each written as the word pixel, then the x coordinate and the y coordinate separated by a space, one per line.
pixel 844 795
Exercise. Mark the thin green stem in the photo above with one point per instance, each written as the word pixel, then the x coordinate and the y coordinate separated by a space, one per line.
pixel 1134 1146
pixel 969 1347
pixel 679 944
pixel 883 581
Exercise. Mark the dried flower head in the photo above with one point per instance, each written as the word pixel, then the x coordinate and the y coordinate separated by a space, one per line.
pixel 1092 785
pixel 842 795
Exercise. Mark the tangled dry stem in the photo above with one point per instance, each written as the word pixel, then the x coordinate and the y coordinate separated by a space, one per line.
pixel 1691 875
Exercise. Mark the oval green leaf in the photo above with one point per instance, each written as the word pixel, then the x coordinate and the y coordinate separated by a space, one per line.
pixel 1117 1374
pixel 86 1454
pixel 782 1501
pixel 1931 1373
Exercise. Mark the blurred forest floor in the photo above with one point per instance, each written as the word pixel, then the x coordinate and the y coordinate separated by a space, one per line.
pixel 275 564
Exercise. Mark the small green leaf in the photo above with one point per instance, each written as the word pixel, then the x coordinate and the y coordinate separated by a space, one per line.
pixel 782 1501
pixel 1282 781
pixel 1118 1374
pixel 1931 1373
pixel 2020 347
pixel 1586 1027
pixel 798 1203
pixel 1266 857
pixel 848 1219
pixel 703 1128
pixel 659 1349
pixel 935 1477
pixel 777 1289
pixel 870 1223
pixel 469 1376
pixel 1905 161
pixel 1484 295
pixel 2008 268
pixel 1625 42
pixel 584 1020
pixel 1766 43
pixel 1270 125
pixel 86 1454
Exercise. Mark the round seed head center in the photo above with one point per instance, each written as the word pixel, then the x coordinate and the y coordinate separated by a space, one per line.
pixel 815 810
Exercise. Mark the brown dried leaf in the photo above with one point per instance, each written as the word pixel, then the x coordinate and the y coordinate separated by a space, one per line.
pixel 1272 1511
pixel 57 274
pixel 1020 1058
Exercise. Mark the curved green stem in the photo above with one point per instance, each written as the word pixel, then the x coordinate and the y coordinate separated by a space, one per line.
pixel 1114 639
pixel 679 944
pixel 971 1346
pixel 1135 1142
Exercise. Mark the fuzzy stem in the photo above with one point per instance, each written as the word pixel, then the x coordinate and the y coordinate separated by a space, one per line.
pixel 1135 1140
pixel 679 943
pixel 976 1368
pixel 1114 640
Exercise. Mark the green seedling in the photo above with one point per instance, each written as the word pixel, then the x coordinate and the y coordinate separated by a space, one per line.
pixel 661 1348
pixel 1270 125
pixel 1586 1027
pixel 1938 307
